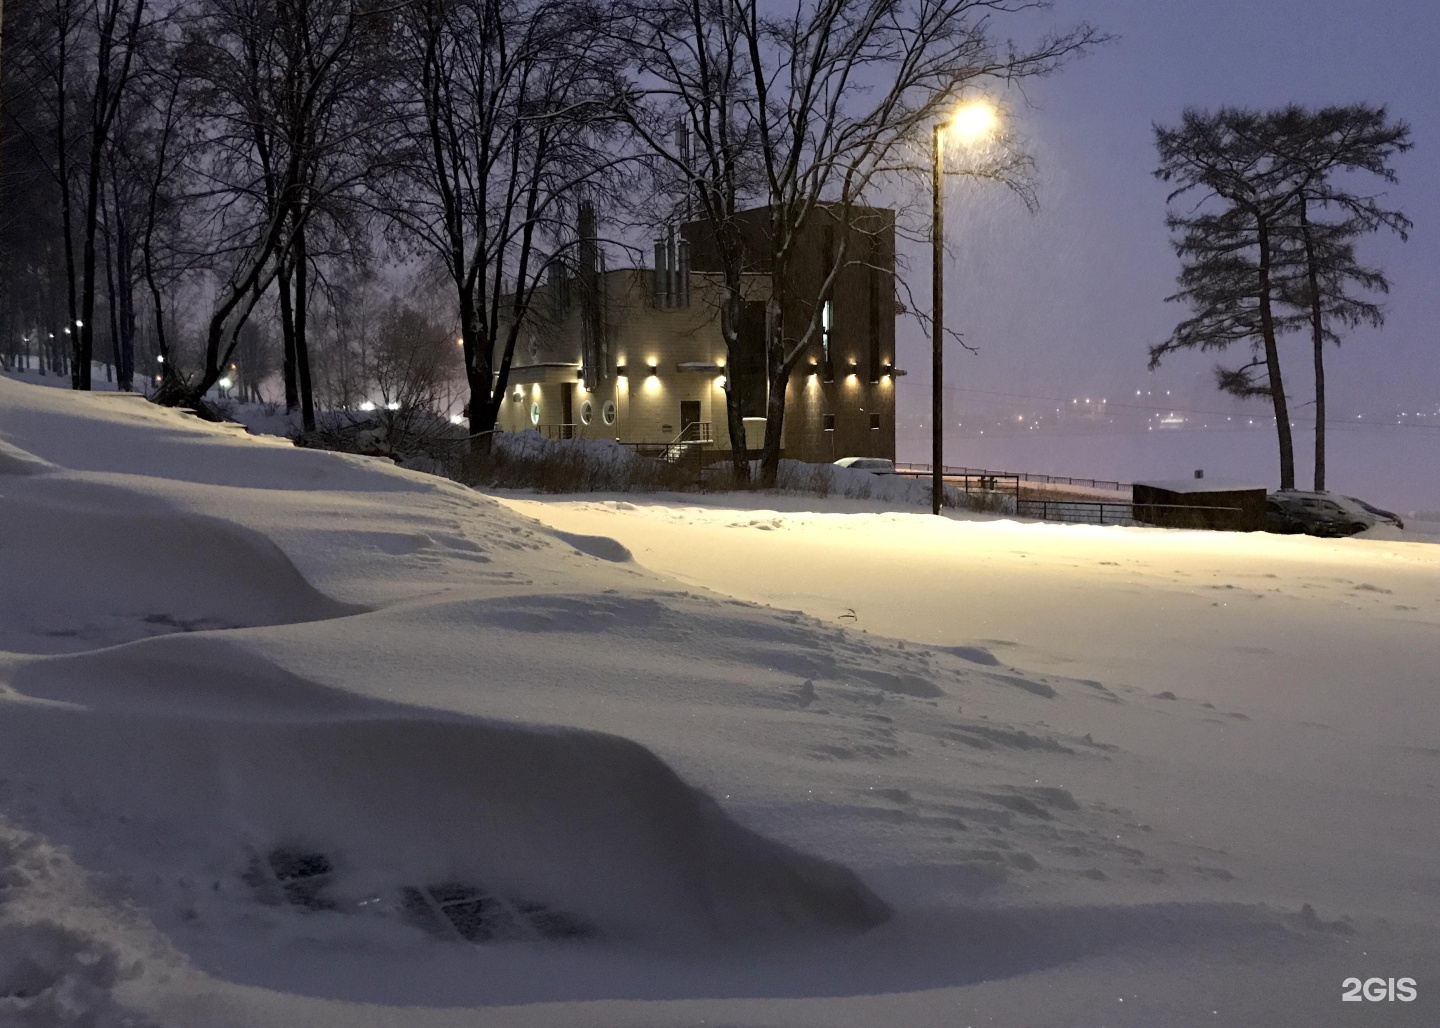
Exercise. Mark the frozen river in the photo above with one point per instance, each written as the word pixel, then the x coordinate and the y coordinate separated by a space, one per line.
pixel 1395 466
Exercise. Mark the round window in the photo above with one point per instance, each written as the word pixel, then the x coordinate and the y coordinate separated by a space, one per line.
pixel 534 414
pixel 587 411
pixel 608 412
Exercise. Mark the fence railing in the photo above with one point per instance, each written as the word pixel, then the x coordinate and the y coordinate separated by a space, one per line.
pixel 1081 512
pixel 672 452
pixel 695 432
pixel 969 480
pixel 1116 512
pixel 1023 476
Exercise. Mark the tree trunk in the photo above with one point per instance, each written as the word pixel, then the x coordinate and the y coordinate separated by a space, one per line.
pixel 1317 337
pixel 85 334
pixel 778 379
pixel 287 337
pixel 1272 358
pixel 734 411
pixel 111 304
pixel 125 273
pixel 302 351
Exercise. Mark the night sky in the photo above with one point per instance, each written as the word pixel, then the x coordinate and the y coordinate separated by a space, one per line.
pixel 1064 303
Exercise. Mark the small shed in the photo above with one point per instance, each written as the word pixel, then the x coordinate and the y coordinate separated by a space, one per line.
pixel 1200 503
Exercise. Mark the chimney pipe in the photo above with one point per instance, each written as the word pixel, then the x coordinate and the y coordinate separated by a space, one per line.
pixel 662 275
pixel 672 283
pixel 683 272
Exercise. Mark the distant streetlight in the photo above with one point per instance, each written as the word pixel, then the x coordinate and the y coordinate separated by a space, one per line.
pixel 969 124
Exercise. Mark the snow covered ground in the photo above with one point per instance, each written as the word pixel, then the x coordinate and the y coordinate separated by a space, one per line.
pixel 296 738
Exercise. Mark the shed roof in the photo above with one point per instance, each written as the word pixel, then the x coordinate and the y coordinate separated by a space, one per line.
pixel 1204 485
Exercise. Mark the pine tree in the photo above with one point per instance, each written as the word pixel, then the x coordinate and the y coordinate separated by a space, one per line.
pixel 1332 283
pixel 1227 246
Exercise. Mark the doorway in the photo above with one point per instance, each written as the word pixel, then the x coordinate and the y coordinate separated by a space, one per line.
pixel 689 414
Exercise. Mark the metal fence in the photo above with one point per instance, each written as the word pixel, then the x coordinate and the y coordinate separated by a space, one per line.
pixel 969 480
pixel 1023 476
pixel 1083 512
pixel 1117 512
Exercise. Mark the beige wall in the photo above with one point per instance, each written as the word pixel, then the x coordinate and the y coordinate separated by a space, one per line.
pixel 648 406
pixel 640 335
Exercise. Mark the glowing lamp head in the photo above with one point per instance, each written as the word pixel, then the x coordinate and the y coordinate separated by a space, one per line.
pixel 973 122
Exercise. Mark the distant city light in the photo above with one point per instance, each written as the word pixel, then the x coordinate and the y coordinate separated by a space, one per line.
pixel 367 405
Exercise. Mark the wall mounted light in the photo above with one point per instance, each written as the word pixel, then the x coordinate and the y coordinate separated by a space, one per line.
pixel 654 370
pixel 621 371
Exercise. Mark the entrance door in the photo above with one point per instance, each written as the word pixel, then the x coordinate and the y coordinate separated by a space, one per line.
pixel 567 410
pixel 689 414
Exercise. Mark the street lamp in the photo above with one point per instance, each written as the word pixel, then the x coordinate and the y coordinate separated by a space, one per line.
pixel 969 124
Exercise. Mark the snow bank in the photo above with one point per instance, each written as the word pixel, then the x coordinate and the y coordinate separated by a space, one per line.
pixel 603 744
pixel 15 461
pixel 198 757
pixel 136 575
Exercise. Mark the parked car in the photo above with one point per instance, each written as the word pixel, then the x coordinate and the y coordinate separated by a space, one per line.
pixel 874 465
pixel 1383 515
pixel 1283 520
pixel 1319 514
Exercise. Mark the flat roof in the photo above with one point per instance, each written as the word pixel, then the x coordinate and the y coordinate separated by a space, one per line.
pixel 1204 485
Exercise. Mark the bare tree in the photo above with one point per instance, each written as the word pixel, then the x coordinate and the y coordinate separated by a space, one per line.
pixel 284 91
pixel 691 105
pixel 843 88
pixel 504 103
pixel 33 291
pixel 87 67
pixel 256 359
pixel 807 109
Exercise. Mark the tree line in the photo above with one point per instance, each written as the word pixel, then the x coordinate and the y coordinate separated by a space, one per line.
pixel 1270 206
pixel 184 181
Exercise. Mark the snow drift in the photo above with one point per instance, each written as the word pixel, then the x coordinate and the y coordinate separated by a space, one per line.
pixel 191 747
pixel 135 575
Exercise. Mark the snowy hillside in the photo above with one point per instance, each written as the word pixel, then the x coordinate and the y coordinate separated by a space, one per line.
pixel 295 738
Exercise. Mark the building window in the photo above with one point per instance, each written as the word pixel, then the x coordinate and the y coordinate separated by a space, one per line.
pixel 607 413
pixel 827 324
pixel 535 414
pixel 828 422
pixel 587 412
pixel 874 422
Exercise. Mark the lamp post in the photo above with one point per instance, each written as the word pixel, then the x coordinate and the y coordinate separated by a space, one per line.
pixel 971 123
pixel 937 326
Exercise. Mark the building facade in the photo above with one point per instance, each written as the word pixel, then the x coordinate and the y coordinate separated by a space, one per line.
pixel 637 354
